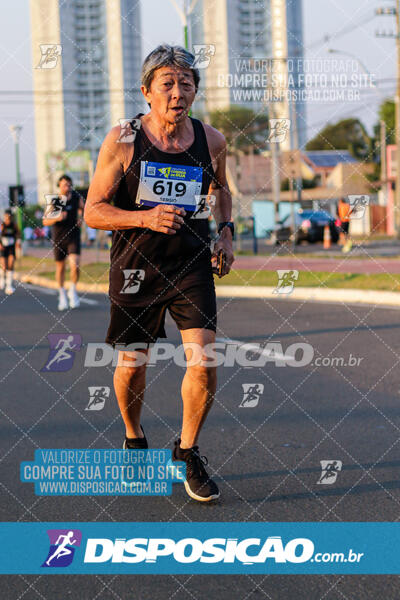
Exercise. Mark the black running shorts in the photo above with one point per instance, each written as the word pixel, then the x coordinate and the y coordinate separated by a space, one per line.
pixel 66 244
pixel 8 251
pixel 193 305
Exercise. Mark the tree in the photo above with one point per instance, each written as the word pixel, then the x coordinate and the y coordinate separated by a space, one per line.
pixel 347 134
pixel 242 127
pixel 387 114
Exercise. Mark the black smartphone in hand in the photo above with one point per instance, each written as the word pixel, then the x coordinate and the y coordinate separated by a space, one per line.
pixel 221 260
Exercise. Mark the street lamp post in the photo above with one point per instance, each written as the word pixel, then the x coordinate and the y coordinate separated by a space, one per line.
pixel 184 15
pixel 16 134
pixel 364 68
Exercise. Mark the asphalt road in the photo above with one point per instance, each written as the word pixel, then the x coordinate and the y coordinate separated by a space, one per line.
pixel 266 459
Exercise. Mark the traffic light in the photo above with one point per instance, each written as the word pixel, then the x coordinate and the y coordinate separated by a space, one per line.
pixel 17 196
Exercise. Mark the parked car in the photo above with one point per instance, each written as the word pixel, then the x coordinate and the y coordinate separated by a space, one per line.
pixel 309 227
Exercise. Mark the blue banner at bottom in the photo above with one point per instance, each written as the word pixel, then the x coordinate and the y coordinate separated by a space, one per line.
pixel 193 548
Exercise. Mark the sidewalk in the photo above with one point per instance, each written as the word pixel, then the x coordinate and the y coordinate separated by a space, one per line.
pixel 342 264
pixel 339 265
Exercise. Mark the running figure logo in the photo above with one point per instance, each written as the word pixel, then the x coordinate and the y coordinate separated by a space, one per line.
pixel 204 202
pixel 62 351
pixel 279 129
pixel 55 204
pixel 62 547
pixel 97 397
pixel 358 205
pixel 286 281
pixel 133 279
pixel 251 394
pixel 50 54
pixel 129 129
pixel 330 470
pixel 203 54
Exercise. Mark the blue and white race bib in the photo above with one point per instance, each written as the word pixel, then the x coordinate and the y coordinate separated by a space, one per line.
pixel 7 240
pixel 162 183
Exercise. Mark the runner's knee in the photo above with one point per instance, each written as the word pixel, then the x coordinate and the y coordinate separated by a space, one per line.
pixel 203 374
pixel 132 365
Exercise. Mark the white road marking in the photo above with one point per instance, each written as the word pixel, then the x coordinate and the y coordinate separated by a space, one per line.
pixel 88 301
pixel 53 292
pixel 48 291
pixel 256 348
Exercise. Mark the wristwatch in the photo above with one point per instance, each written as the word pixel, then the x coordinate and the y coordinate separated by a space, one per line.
pixel 229 224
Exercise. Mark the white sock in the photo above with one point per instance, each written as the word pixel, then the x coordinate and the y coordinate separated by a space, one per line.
pixel 2 275
pixel 61 291
pixel 72 287
pixel 9 278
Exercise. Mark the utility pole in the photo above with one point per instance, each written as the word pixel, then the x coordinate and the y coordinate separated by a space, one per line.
pixel 384 183
pixel 274 149
pixel 395 11
pixel 238 173
pixel 383 152
pixel 275 167
pixel 295 147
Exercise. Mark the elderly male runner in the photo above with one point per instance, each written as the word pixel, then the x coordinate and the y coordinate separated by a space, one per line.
pixel 145 189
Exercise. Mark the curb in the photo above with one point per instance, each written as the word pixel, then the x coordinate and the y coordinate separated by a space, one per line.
pixel 312 294
pixel 256 292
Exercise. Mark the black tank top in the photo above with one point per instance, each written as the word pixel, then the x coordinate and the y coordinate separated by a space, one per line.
pixel 146 264
pixel 68 227
pixel 8 234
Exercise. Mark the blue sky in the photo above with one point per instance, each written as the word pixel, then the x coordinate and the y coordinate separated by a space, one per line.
pixel 161 23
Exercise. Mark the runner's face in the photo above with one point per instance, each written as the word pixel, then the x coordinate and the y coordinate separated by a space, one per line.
pixel 7 219
pixel 171 93
pixel 64 187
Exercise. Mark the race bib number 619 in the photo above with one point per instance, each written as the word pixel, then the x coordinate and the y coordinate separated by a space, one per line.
pixel 162 183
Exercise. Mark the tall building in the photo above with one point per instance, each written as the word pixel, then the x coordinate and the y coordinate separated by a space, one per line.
pixel 86 73
pixel 244 33
pixel 287 51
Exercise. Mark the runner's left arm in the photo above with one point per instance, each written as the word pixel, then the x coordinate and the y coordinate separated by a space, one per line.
pixel 219 187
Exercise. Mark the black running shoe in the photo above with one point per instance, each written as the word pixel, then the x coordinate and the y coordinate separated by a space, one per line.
pixel 197 484
pixel 136 443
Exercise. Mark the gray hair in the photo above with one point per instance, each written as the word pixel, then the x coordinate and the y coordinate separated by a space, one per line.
pixel 165 56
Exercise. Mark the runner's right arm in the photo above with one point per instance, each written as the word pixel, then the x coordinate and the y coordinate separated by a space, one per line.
pixel 49 222
pixel 114 158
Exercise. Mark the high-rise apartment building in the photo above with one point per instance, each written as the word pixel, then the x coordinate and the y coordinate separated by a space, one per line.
pixel 86 74
pixel 244 33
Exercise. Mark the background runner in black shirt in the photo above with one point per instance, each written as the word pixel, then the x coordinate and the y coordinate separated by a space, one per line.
pixel 66 238
pixel 9 239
